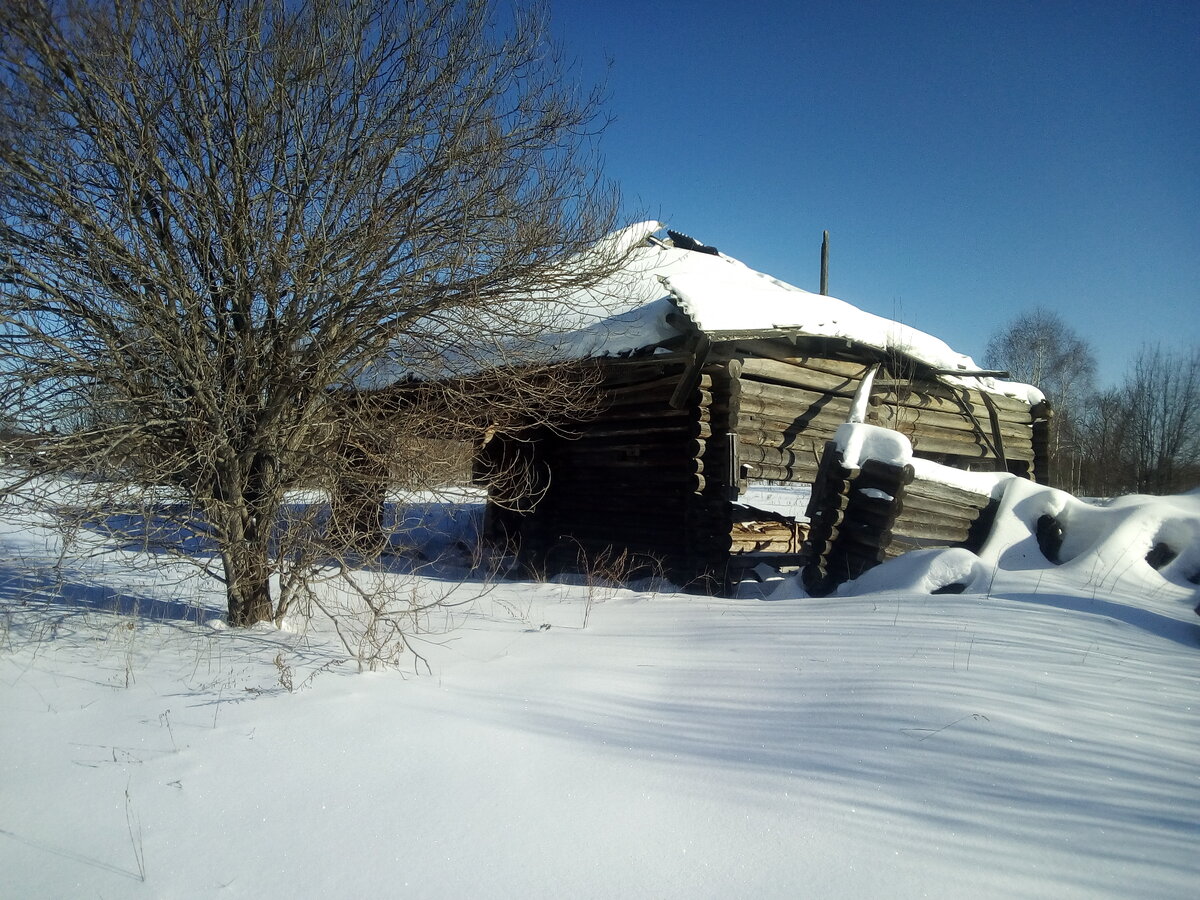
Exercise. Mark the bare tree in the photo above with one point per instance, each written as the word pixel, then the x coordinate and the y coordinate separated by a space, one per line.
pixel 1103 423
pixel 218 216
pixel 1039 348
pixel 1162 405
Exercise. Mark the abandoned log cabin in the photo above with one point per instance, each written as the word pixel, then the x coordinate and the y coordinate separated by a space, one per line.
pixel 721 391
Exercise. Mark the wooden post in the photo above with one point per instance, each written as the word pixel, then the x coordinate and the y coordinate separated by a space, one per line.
pixel 825 263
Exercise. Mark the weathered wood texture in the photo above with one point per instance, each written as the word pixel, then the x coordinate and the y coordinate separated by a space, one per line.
pixel 678 437
pixel 861 517
pixel 639 481
pixel 956 425
pixel 791 404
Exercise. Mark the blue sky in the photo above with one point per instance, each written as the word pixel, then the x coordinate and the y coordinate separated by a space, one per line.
pixel 971 160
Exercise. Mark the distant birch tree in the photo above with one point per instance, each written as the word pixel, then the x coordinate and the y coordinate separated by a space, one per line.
pixel 1041 349
pixel 216 214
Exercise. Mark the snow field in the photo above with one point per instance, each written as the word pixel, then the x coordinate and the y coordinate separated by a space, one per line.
pixel 1035 736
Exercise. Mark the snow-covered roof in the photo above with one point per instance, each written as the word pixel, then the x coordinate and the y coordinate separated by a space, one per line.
pixel 639 307
pixel 665 291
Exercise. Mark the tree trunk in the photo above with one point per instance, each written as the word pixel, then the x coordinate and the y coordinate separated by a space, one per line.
pixel 248 583
pixel 247 514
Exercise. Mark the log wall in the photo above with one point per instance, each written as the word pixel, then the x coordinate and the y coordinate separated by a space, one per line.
pixel 786 408
pixel 788 404
pixel 863 516
pixel 642 478
pixel 657 479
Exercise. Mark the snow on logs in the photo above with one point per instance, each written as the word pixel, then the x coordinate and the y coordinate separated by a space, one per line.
pixel 863 515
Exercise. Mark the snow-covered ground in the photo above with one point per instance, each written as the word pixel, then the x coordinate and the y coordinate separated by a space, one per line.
pixel 1034 736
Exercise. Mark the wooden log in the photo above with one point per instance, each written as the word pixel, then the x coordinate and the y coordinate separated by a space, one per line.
pixel 788 417
pixel 679 443
pixel 617 370
pixel 786 353
pixel 640 413
pixel 948 493
pixel 790 397
pixel 801 474
pixel 936 393
pixel 878 507
pixel 925 443
pixel 913 431
pixel 902 545
pixel 769 370
pixel 803 453
pixel 851 560
pixel 656 398
pixel 641 430
pixel 727 400
pixel 789 402
pixel 962 517
pixel 627 430
pixel 653 385
pixel 831 509
pixel 1014 447
pixel 765 545
pixel 947 531
pixel 666 482
pixel 784 435
pixel 891 416
pixel 947 403
pixel 960 504
pixel 875 471
pixel 931 517
pixel 773 456
pixel 862 533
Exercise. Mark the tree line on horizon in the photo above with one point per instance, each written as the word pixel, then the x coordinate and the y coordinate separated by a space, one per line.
pixel 1141 436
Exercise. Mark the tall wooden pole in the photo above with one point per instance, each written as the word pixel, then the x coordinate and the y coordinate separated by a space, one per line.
pixel 825 263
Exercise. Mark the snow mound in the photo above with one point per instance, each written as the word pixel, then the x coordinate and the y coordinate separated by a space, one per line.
pixel 1136 558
